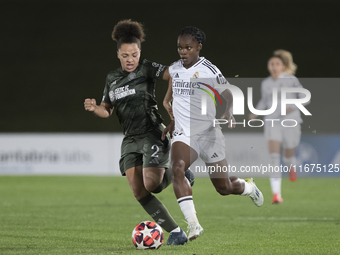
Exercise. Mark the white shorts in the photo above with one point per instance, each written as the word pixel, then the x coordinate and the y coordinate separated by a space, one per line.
pixel 288 136
pixel 209 145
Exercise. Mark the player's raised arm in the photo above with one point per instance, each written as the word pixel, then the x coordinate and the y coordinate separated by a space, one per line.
pixel 228 114
pixel 103 110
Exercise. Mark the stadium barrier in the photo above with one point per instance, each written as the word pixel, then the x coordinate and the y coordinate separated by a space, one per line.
pixel 98 154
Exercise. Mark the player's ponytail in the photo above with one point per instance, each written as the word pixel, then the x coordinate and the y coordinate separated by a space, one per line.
pixel 198 34
pixel 127 31
pixel 287 60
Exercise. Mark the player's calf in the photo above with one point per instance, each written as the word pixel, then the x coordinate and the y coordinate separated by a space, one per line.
pixel 158 212
pixel 227 186
pixel 178 169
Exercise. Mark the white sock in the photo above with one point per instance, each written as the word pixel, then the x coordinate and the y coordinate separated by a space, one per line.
pixel 248 188
pixel 188 208
pixel 290 162
pixel 178 229
pixel 275 182
pixel 274 159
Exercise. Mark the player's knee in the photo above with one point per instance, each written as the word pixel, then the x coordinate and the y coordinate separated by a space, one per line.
pixel 152 181
pixel 150 185
pixel 178 168
pixel 152 188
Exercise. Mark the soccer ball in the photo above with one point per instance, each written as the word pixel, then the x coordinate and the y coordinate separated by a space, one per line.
pixel 147 235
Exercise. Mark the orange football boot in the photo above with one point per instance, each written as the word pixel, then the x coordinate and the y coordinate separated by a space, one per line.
pixel 292 174
pixel 277 199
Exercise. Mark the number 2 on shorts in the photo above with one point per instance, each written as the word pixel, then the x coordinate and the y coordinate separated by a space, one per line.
pixel 154 155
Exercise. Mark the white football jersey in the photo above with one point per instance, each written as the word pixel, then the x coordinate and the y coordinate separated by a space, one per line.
pixel 188 90
pixel 267 85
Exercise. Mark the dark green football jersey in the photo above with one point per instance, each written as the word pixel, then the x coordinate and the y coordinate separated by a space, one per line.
pixel 132 94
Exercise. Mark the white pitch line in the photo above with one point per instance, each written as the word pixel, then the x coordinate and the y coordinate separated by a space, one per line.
pixel 286 218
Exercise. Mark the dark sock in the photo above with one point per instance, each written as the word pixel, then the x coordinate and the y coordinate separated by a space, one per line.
pixel 167 180
pixel 158 212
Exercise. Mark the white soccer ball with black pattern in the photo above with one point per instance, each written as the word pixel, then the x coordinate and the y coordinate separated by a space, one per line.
pixel 147 235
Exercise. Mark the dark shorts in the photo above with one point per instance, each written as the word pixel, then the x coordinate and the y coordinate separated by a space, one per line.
pixel 147 150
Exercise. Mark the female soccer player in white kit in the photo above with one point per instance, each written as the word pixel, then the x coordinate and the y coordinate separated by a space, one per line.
pixel 194 133
pixel 282 69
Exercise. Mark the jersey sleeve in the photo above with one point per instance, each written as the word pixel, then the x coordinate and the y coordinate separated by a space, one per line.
pixel 297 84
pixel 154 70
pixel 106 97
pixel 171 70
pixel 220 83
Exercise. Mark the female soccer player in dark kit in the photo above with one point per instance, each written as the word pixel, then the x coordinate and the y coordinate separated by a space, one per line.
pixel 130 92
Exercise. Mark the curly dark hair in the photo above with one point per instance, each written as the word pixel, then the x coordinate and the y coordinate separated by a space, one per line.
pixel 127 31
pixel 198 34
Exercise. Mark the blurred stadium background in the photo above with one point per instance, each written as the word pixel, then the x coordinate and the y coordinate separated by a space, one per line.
pixel 56 53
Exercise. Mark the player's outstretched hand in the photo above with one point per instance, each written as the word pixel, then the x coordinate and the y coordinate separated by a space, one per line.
pixel 230 118
pixel 170 128
pixel 90 104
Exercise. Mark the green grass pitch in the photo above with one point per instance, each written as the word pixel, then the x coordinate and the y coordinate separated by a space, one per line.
pixel 96 215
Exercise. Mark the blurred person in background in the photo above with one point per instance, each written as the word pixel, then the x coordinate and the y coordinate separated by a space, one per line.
pixel 282 70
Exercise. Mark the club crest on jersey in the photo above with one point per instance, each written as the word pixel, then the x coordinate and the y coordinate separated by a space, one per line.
pixel 196 75
pixel 131 76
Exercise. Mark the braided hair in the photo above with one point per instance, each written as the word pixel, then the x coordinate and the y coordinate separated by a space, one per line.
pixel 127 31
pixel 198 34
